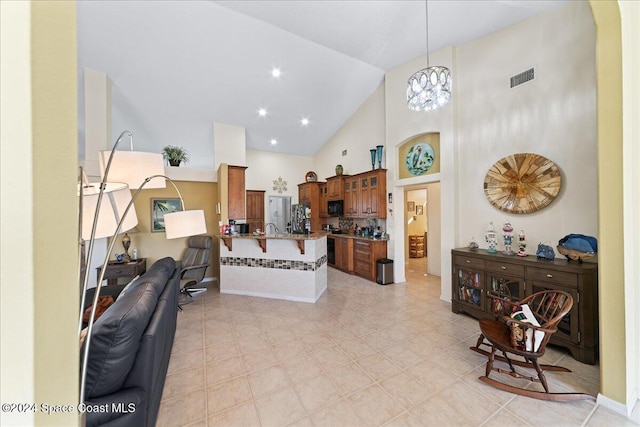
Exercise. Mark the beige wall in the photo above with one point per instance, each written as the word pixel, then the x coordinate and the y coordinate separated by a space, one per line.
pixel 613 371
pixel 153 246
pixel 419 225
pixel 630 21
pixel 40 290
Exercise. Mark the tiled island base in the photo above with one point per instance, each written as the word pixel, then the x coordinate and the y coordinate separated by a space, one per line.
pixel 292 268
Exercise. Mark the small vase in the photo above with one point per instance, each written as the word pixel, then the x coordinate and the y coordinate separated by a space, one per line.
pixel 379 149
pixel 373 158
pixel 175 163
pixel 339 170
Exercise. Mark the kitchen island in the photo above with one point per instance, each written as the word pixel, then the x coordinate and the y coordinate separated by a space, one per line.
pixel 283 266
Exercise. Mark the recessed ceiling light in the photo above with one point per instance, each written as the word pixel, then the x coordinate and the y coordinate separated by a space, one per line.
pixel 304 121
pixel 274 141
pixel 275 72
pixel 262 112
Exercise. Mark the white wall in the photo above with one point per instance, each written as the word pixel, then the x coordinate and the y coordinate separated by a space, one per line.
pixel 403 124
pixel 228 145
pixel 434 236
pixel 362 132
pixel 263 167
pixel 554 115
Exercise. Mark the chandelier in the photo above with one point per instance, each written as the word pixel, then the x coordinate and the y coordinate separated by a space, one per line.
pixel 429 88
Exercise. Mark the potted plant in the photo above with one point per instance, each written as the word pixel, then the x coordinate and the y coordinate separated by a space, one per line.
pixel 175 155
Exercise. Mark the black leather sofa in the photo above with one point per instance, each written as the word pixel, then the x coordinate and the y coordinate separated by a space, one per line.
pixel 130 350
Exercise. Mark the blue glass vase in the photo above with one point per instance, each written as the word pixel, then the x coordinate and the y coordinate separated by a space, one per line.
pixel 379 149
pixel 373 158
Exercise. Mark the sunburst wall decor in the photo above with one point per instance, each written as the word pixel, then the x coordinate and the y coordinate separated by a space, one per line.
pixel 522 183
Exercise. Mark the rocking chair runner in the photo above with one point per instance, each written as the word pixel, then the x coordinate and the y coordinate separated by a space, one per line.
pixel 522 338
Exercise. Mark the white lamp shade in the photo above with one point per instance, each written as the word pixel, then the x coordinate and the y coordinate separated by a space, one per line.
pixel 115 200
pixel 133 167
pixel 184 224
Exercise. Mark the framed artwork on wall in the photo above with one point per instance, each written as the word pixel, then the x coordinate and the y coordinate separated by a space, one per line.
pixel 419 156
pixel 411 206
pixel 160 207
pixel 419 210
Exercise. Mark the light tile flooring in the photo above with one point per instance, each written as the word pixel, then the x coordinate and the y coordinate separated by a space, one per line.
pixel 363 355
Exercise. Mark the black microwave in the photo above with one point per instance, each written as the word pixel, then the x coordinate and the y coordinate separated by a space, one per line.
pixel 335 207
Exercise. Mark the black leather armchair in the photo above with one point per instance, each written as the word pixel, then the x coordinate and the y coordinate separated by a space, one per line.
pixel 194 263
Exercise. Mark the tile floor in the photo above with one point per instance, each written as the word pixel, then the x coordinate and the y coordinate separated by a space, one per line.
pixel 363 355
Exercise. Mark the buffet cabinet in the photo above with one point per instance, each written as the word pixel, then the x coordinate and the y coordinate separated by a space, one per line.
pixel 476 273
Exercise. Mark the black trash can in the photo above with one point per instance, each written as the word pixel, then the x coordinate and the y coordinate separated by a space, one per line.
pixel 384 268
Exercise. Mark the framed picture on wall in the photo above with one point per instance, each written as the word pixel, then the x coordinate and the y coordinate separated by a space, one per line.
pixel 411 206
pixel 419 210
pixel 160 207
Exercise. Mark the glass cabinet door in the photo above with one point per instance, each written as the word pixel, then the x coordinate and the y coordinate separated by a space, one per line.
pixel 470 287
pixel 505 287
pixel 568 326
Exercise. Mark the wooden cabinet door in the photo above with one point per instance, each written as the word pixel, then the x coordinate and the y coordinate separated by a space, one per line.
pixel 335 188
pixel 351 198
pixel 324 210
pixel 364 207
pixel 237 198
pixel 372 195
pixel 303 193
pixel 255 210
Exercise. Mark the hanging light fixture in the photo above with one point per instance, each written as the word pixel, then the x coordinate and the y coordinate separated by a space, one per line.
pixel 429 88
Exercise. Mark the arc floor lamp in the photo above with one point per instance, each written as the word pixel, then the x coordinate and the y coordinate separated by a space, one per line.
pixel 115 213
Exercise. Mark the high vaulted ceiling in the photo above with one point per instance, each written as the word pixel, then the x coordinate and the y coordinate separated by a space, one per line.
pixel 179 66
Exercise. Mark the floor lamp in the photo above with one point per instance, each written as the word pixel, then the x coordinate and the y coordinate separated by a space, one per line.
pixel 109 219
pixel 177 224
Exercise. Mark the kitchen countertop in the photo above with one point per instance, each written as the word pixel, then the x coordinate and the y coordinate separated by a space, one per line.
pixel 356 237
pixel 279 236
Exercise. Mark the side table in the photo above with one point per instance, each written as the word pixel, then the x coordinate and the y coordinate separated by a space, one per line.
pixel 116 270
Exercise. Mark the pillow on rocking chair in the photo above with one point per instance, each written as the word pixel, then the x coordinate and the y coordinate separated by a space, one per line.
pixel 521 336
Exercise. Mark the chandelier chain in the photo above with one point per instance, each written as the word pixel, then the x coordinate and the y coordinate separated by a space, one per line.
pixel 426 16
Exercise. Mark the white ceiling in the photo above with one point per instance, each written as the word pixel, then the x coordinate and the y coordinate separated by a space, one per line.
pixel 179 66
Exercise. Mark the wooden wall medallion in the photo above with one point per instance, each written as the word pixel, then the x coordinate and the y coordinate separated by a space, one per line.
pixel 522 183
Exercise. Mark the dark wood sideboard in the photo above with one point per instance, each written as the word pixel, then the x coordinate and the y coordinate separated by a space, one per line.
pixel 476 273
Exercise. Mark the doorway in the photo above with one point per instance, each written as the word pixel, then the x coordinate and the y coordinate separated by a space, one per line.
pixel 279 212
pixel 422 231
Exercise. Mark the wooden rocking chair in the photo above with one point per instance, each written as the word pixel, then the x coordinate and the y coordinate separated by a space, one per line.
pixel 513 335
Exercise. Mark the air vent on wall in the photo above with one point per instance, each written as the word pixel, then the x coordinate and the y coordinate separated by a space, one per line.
pixel 523 77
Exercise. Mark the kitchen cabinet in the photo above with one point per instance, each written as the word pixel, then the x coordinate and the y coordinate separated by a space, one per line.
pixel 324 211
pixel 343 253
pixel 335 187
pixel 373 188
pixel 231 192
pixel 476 273
pixel 365 195
pixel 309 193
pixel 365 254
pixel 255 210
pixel 351 198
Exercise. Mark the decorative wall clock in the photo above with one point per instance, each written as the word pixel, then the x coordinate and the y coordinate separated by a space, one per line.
pixel 522 183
